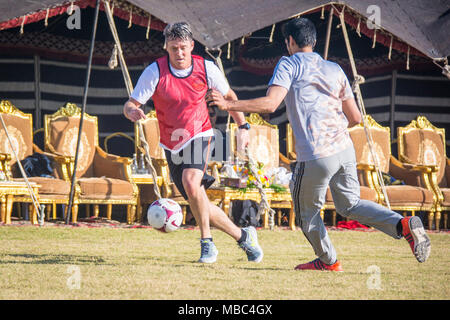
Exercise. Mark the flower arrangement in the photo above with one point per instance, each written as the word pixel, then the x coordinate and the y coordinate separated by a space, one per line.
pixel 242 171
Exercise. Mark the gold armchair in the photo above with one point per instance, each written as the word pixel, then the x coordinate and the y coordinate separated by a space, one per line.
pixel 263 148
pixel 150 130
pixel 53 191
pixel 422 146
pixel 415 195
pixel 101 178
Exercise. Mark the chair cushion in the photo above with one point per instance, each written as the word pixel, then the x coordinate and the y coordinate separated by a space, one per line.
pixel 404 195
pixel 446 194
pixel 105 188
pixel 50 186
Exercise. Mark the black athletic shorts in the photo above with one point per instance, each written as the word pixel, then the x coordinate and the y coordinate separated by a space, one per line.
pixel 196 154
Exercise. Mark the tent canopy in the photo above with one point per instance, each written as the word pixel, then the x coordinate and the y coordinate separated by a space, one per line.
pixel 421 24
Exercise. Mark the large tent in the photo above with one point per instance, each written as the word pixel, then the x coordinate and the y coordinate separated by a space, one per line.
pixel 414 30
pixel 413 27
pixel 423 25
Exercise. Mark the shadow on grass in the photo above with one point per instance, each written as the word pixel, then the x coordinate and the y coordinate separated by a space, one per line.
pixel 24 258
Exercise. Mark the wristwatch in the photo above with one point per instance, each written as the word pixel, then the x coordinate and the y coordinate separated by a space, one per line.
pixel 245 126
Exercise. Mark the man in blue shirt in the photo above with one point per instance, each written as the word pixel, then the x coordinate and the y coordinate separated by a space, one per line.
pixel 320 106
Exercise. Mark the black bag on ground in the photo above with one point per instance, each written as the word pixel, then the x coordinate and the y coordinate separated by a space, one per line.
pixel 245 213
pixel 37 165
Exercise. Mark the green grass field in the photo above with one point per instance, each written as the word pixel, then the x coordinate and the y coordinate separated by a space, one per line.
pixel 140 263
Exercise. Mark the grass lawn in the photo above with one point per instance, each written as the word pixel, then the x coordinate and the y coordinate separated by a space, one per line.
pixel 140 263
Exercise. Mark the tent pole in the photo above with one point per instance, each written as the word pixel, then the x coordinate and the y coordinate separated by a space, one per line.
pixel 392 111
pixel 357 90
pixel 327 39
pixel 80 129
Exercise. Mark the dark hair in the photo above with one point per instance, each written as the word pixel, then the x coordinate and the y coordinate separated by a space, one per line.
pixel 302 31
pixel 178 30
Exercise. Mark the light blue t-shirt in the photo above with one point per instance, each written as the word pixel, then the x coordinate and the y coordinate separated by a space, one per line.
pixel 316 89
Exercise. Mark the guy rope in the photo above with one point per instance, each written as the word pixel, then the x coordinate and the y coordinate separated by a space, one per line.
pixel 358 79
pixel 264 206
pixel 129 86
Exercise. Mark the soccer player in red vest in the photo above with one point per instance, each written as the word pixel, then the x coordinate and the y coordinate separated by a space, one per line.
pixel 178 83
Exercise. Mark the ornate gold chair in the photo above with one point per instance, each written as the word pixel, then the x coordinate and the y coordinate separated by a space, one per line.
pixel 102 178
pixel 422 144
pixel 150 130
pixel 416 194
pixel 20 128
pixel 263 148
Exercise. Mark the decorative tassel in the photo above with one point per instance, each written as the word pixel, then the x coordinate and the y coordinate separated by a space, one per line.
pixel 46 17
pixel 22 24
pixel 243 40
pixel 229 51
pixel 131 18
pixel 148 26
pixel 407 60
pixel 374 38
pixel 322 13
pixel 112 63
pixel 358 27
pixel 271 33
pixel 390 47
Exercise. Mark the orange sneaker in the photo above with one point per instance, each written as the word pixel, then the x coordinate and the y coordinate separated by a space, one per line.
pixel 319 265
pixel 418 240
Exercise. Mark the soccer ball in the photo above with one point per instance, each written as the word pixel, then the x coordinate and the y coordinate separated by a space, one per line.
pixel 165 215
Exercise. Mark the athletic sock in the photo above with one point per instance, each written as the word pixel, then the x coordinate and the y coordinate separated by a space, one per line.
pixel 243 236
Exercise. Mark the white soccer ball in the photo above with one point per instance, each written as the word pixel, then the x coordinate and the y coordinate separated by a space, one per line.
pixel 165 215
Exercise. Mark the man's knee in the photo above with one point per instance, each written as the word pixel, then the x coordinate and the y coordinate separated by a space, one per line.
pixel 192 182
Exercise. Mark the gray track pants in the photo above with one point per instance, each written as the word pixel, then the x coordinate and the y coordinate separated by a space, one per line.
pixel 308 185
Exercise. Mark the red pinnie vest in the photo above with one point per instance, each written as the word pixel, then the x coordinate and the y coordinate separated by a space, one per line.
pixel 180 103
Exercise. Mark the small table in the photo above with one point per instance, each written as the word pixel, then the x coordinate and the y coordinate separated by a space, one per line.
pixel 143 179
pixel 226 194
pixel 9 189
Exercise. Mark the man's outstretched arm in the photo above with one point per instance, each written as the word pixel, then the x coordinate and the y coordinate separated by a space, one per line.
pixel 268 104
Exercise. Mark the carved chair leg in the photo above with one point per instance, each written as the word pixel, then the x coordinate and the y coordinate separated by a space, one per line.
pixel 445 220
pixel 279 213
pixel 74 213
pixel 108 211
pixel 9 202
pixel 131 213
pixel 333 217
pixel 438 220
pixel 3 209
pixel 88 210
pixel 96 210
pixel 184 209
pixel 54 210
pixel 33 214
pixel 430 220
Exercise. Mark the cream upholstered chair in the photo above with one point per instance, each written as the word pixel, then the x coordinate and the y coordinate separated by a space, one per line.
pixel 150 130
pixel 53 191
pixel 102 178
pixel 422 144
pixel 263 148
pixel 416 194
